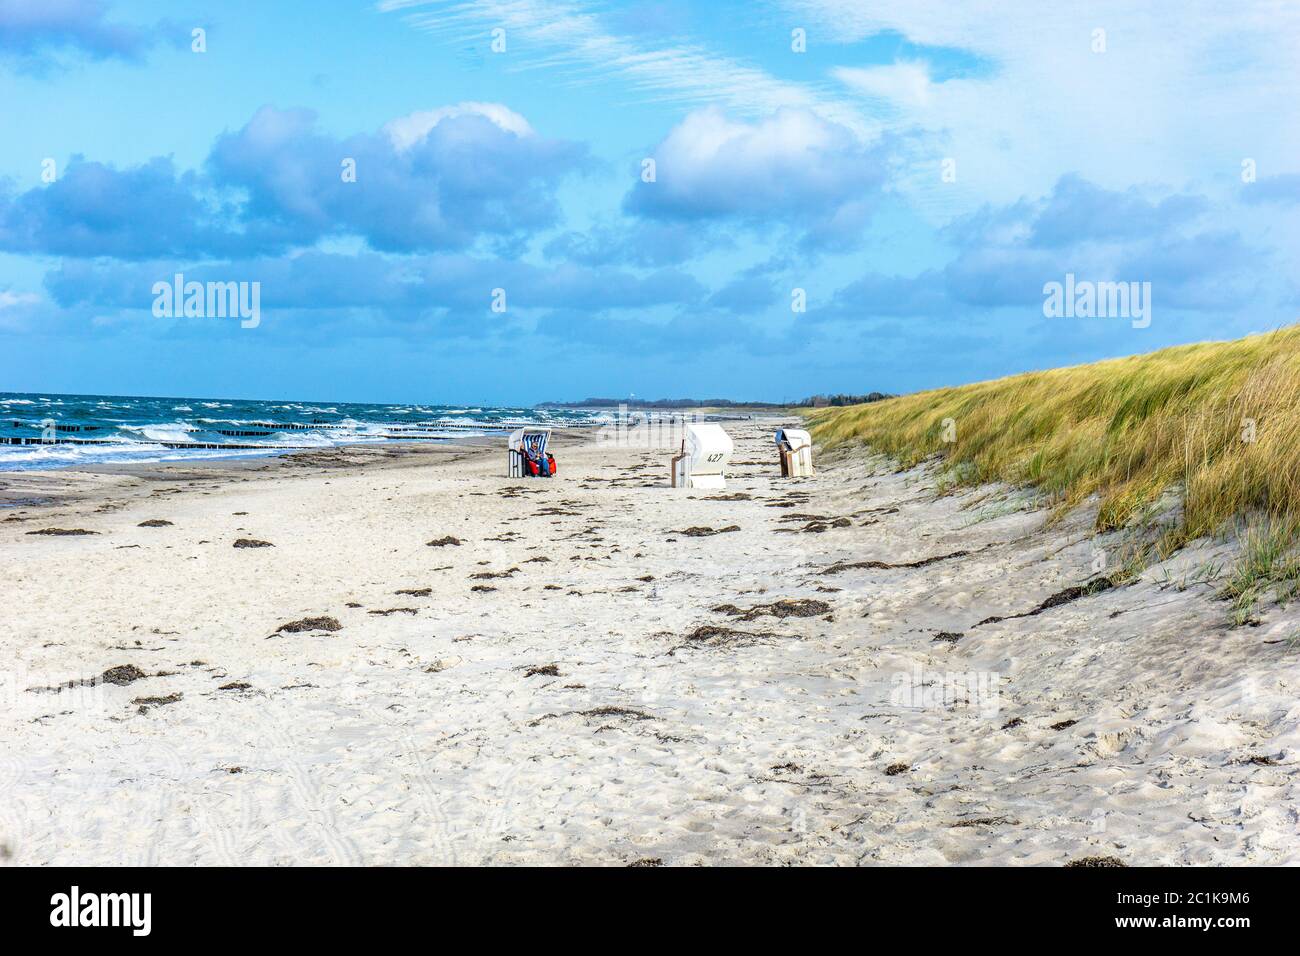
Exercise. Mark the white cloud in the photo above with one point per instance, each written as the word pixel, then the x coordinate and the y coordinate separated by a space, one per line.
pixel 576 39
pixel 902 84
pixel 1182 92
pixel 793 167
pixel 405 131
pixel 16 309
pixel 9 300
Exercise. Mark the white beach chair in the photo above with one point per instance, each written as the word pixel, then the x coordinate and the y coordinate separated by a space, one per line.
pixel 794 445
pixel 532 439
pixel 702 463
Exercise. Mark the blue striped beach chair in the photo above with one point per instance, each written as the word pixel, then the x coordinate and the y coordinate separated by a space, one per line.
pixel 522 443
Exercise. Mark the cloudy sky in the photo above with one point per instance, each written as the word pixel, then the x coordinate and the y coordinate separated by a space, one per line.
pixel 912 175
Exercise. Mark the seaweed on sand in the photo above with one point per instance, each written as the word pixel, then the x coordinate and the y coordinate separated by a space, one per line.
pixel 786 607
pixel 323 623
pixel 703 531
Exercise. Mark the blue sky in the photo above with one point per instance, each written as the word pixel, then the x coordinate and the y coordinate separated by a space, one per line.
pixel 915 175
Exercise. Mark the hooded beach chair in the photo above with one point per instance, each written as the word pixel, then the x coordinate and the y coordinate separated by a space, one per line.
pixel 702 463
pixel 526 443
pixel 794 446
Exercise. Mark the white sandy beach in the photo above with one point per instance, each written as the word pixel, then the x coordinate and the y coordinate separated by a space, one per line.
pixel 541 692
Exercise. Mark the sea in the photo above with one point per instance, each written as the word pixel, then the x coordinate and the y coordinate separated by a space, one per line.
pixel 40 431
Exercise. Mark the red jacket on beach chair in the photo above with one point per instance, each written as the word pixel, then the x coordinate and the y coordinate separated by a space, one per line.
pixel 528 455
pixel 540 466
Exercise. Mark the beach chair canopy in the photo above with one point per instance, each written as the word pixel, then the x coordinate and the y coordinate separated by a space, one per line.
pixel 796 437
pixel 708 448
pixel 794 446
pixel 702 463
pixel 532 440
pixel 523 443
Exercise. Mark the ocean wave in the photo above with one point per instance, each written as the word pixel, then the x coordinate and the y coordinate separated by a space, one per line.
pixel 102 429
pixel 41 457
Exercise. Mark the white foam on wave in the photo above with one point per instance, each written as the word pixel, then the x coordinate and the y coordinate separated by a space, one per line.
pixel 162 431
pixel 40 457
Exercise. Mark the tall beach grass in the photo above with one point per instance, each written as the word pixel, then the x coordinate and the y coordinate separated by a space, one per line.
pixel 1218 422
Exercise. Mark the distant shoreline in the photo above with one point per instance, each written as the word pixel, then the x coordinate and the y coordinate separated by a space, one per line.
pixel 688 404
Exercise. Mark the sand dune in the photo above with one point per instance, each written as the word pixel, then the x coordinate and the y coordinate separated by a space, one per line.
pixel 575 679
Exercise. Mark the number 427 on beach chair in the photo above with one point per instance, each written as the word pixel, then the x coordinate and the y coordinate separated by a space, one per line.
pixel 706 450
pixel 526 450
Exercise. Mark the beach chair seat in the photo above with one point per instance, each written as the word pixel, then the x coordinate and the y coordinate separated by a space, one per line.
pixel 702 462
pixel 794 447
pixel 527 455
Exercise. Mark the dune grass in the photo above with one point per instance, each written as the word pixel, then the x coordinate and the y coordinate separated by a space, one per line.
pixel 1218 422
pixel 1266 567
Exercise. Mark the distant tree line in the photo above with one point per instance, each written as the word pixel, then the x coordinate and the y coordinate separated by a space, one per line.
pixel 816 401
pixel 658 403
pixel 822 401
